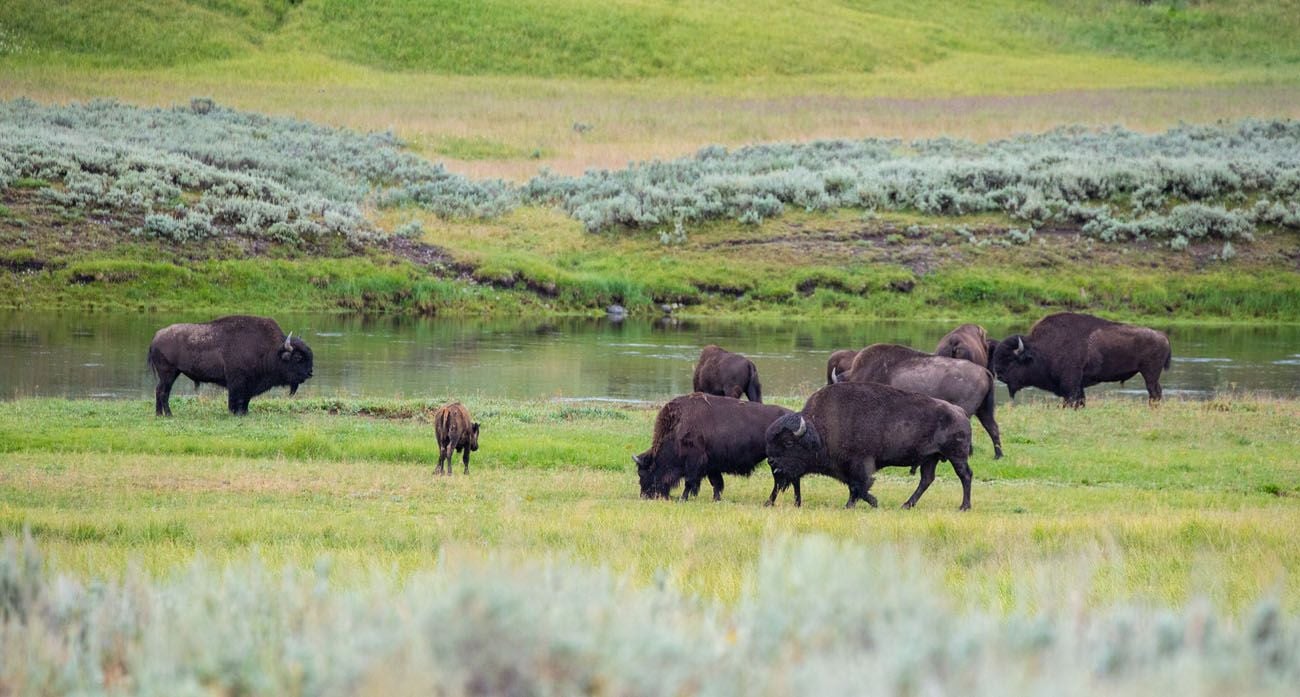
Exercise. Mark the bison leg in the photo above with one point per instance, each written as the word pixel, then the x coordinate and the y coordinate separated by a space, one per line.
pixel 962 468
pixel 442 457
pixel 861 476
pixel 464 459
pixel 715 478
pixel 927 478
pixel 990 424
pixel 163 392
pixel 798 494
pixel 1152 378
pixel 779 484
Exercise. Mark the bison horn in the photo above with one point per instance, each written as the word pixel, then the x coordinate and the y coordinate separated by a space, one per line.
pixel 287 346
pixel 803 428
pixel 835 374
pixel 1020 346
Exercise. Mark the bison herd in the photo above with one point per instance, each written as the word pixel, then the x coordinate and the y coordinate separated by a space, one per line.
pixel 883 406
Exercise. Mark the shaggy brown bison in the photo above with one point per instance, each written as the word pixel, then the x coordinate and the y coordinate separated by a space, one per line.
pixel 848 431
pixel 1066 352
pixel 968 342
pixel 698 436
pixel 246 355
pixel 455 431
pixel 722 372
pixel 840 362
pixel 956 381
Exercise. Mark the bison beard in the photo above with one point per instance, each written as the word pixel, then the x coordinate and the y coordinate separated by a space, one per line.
pixel 246 355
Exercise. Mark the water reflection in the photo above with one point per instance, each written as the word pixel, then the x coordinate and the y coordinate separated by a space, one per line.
pixel 103 356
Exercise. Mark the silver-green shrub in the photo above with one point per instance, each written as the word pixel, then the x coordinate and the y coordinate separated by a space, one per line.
pixel 246 174
pixel 816 617
pixel 1116 184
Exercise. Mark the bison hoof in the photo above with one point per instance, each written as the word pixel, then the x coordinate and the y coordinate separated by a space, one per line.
pixel 907 505
pixel 964 507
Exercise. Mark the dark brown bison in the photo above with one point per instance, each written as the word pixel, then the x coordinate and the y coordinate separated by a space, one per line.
pixel 968 342
pixel 849 430
pixel 246 355
pixel 1066 352
pixel 725 373
pixel 840 362
pixel 698 436
pixel 455 431
pixel 956 381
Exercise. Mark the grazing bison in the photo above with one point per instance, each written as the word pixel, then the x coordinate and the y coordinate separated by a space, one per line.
pixel 246 355
pixel 968 342
pixel 953 380
pixel 455 431
pixel 839 362
pixel 848 431
pixel 725 373
pixel 1066 352
pixel 701 435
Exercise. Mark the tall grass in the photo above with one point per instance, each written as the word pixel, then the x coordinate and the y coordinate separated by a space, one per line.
pixel 815 616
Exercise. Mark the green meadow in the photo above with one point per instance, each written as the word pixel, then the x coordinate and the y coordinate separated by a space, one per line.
pixel 1189 500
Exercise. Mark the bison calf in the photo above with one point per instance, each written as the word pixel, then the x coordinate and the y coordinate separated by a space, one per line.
pixel 246 355
pixel 728 374
pixel 455 431
pixel 848 431
pixel 698 436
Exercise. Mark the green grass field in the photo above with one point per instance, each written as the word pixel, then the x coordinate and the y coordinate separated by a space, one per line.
pixel 494 88
pixel 1193 499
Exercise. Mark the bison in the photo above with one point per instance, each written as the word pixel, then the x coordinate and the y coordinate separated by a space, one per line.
pixel 728 374
pixel 701 435
pixel 968 342
pixel 1066 352
pixel 956 381
pixel 839 362
pixel 246 355
pixel 455 431
pixel 848 431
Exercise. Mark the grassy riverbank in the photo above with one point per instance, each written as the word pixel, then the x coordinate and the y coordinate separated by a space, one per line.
pixel 1191 499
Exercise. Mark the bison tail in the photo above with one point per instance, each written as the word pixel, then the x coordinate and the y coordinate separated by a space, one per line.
pixel 754 391
pixel 1169 357
pixel 155 358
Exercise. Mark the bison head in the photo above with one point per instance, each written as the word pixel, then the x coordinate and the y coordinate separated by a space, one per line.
pixel 793 448
pixel 652 486
pixel 473 436
pixel 1015 363
pixel 295 362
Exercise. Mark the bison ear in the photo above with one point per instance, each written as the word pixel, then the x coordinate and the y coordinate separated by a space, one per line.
pixel 285 354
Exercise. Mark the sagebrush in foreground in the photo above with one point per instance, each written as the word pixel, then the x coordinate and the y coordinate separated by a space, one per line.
pixel 817 618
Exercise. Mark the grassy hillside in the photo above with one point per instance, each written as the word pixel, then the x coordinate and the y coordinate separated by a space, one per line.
pixel 580 38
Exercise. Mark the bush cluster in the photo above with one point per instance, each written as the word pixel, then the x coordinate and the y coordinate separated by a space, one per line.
pixel 202 170
pixel 819 617
pixel 1193 182
pixel 212 170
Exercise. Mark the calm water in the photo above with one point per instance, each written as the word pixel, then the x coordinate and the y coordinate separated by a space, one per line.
pixel 103 355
